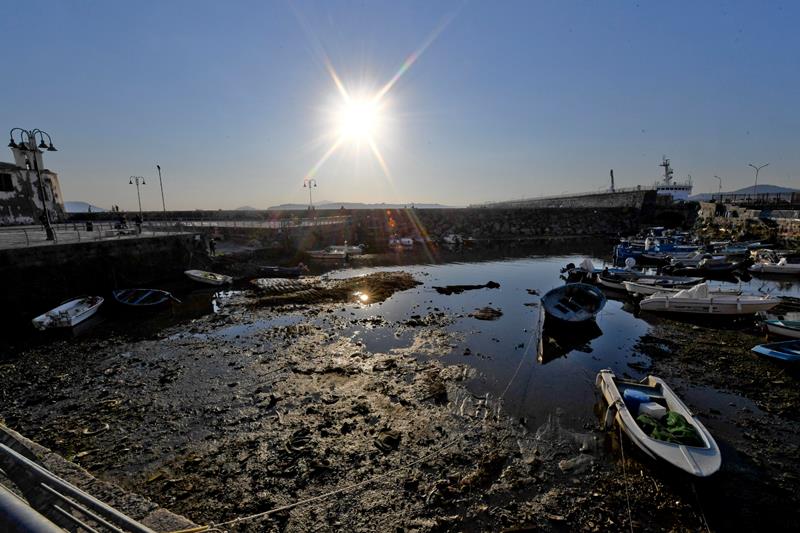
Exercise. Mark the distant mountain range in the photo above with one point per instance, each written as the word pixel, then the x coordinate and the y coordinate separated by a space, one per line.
pixel 357 205
pixel 82 207
pixel 762 189
pixel 246 208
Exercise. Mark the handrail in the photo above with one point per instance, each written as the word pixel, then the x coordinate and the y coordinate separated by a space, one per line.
pixel 60 501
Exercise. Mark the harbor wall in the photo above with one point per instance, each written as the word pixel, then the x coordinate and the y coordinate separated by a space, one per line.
pixel 635 198
pixel 42 276
pixel 375 226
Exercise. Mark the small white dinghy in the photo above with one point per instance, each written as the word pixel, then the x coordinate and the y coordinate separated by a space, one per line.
pixel 699 300
pixel 700 460
pixel 69 313
pixel 209 278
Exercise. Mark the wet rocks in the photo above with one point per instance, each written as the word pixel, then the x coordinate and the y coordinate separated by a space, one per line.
pixel 486 313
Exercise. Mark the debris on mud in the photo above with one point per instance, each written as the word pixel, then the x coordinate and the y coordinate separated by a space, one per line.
pixel 458 289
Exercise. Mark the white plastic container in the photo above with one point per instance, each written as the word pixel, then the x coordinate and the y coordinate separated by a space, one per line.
pixel 653 409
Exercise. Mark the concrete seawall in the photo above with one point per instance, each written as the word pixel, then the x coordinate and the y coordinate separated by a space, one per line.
pixel 44 275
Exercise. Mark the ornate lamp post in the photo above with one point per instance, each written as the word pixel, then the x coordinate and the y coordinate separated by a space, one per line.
pixel 27 143
pixel 137 180
pixel 310 182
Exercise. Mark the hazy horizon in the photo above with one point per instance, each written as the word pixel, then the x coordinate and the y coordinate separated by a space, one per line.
pixel 483 102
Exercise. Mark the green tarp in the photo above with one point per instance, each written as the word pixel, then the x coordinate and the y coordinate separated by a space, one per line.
pixel 673 428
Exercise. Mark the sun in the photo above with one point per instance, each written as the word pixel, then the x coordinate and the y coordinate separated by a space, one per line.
pixel 358 120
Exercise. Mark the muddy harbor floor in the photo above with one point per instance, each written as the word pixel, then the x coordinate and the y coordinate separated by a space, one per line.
pixel 261 406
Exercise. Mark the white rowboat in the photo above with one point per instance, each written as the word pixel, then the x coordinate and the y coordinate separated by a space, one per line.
pixel 209 278
pixel 69 313
pixel 700 461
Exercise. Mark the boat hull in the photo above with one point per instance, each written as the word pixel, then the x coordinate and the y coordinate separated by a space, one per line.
pixel 785 328
pixel 698 461
pixel 142 298
pixel 788 351
pixel 69 314
pixel 713 305
pixel 574 302
pixel 208 278
pixel 790 269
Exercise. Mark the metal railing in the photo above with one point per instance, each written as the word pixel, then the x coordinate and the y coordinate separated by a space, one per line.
pixel 51 504
pixel 266 224
pixel 25 236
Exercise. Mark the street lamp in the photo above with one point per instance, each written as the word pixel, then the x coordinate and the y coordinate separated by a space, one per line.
pixel 163 204
pixel 310 182
pixel 27 143
pixel 137 180
pixel 720 186
pixel 755 187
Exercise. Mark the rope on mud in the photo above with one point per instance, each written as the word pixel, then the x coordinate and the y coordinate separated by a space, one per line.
pixel 700 505
pixel 521 360
pixel 625 480
pixel 448 444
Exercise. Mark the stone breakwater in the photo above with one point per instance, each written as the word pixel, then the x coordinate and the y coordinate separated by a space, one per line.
pixel 375 226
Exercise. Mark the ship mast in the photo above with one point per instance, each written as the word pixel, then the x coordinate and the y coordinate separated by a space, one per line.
pixel 667 169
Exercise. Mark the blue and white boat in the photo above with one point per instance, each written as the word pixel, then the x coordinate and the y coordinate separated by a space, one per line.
pixel 788 351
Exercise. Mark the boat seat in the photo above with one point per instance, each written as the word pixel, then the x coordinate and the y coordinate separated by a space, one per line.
pixel 143 297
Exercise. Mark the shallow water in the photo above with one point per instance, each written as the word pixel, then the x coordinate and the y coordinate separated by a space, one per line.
pixel 504 351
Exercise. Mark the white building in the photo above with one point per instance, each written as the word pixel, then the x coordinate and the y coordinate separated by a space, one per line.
pixel 20 193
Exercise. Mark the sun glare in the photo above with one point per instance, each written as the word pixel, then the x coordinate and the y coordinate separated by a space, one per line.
pixel 358 120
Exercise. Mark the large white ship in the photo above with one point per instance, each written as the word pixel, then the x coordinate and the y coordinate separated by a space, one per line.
pixel 678 191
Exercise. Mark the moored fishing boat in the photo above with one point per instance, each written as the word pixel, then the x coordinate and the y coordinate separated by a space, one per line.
pixel 698 300
pixel 787 328
pixel 209 278
pixel 573 302
pixel 143 298
pixel 788 351
pixel 69 313
pixel 781 267
pixel 673 433
pixel 648 286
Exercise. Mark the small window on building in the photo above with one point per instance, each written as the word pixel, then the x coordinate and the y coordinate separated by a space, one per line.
pixel 6 183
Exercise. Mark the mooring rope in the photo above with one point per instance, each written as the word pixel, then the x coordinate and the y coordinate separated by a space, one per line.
pixel 700 506
pixel 625 480
pixel 448 444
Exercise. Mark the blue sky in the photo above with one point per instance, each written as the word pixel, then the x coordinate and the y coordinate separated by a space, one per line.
pixel 511 99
